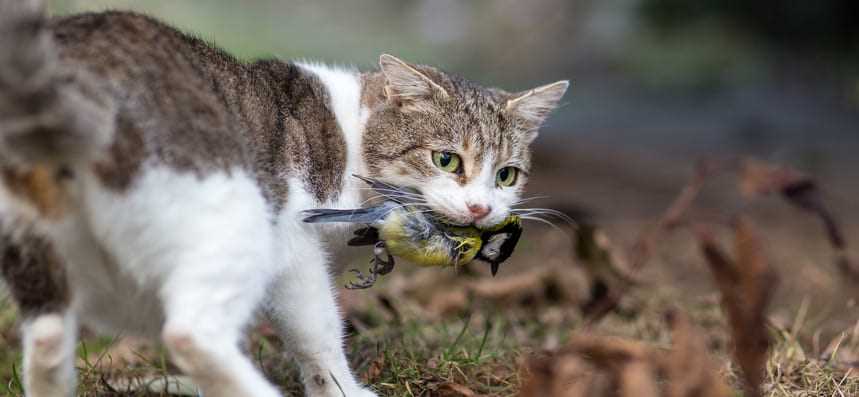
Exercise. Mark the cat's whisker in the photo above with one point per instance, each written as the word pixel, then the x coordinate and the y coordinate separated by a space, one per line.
pixel 527 199
pixel 541 220
pixel 401 206
pixel 378 196
pixel 416 200
pixel 546 211
pixel 394 191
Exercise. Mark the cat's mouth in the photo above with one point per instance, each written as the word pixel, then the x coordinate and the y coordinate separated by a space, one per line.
pixel 450 222
pixel 457 221
pixel 413 196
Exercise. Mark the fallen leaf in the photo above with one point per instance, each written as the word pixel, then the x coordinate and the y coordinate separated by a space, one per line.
pixel 746 285
pixel 374 370
pixel 689 369
pixel 557 374
pixel 602 366
pixel 454 390
pixel 758 178
pixel 673 216
pixel 609 272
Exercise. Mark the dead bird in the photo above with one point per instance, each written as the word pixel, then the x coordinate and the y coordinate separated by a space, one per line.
pixel 400 227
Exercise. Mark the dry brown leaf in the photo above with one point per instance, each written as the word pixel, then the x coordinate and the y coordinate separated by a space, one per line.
pixel 557 374
pixel 454 390
pixel 746 284
pixel 601 366
pixel 448 302
pixel 629 364
pixel 374 370
pixel 687 367
pixel 512 288
pixel 534 285
pixel 608 270
pixel 637 379
pixel 758 178
pixel 673 215
pixel 608 351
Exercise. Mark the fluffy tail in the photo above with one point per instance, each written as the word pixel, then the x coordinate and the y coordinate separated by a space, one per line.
pixel 48 114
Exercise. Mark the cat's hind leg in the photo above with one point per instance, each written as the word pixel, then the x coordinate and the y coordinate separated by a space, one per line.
pixel 208 302
pixel 36 279
pixel 206 347
pixel 209 242
pixel 49 354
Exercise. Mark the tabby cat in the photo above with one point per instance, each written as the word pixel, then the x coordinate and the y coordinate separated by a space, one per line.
pixel 153 185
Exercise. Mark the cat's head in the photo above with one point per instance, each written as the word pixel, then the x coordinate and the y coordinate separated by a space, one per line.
pixel 464 147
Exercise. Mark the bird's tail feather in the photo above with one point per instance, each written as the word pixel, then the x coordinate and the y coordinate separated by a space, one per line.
pixel 47 113
pixel 358 215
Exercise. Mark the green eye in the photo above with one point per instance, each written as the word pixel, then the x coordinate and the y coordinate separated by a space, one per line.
pixel 446 161
pixel 506 176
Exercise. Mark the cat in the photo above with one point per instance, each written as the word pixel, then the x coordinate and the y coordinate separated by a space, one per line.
pixel 152 185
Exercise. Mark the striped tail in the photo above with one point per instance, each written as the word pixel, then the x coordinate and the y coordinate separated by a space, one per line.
pixel 48 114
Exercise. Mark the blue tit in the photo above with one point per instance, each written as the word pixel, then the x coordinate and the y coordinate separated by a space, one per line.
pixel 400 227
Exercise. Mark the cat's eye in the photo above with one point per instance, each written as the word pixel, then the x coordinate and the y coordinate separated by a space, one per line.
pixel 447 161
pixel 506 176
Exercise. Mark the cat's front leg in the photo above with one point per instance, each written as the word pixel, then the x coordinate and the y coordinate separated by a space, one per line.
pixel 303 307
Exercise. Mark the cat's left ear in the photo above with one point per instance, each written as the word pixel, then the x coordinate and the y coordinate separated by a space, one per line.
pixel 532 107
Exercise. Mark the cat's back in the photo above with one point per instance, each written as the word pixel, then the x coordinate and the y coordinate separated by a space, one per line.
pixel 171 105
pixel 123 45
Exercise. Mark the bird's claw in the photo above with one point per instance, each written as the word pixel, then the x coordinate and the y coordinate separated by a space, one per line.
pixel 380 266
pixel 363 282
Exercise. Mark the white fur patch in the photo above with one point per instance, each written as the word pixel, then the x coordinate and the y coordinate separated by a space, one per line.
pixel 446 196
pixel 125 247
pixel 344 89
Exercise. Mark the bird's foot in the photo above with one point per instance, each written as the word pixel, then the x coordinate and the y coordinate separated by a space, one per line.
pixel 381 264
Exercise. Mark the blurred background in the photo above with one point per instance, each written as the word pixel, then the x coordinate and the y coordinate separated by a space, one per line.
pixel 652 80
pixel 656 86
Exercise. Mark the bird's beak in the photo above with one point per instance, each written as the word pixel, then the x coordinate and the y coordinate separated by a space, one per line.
pixel 494 268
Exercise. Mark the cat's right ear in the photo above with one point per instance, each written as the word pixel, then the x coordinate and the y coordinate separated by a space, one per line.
pixel 532 107
pixel 406 86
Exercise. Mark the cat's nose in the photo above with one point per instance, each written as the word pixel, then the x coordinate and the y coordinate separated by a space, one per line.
pixel 478 211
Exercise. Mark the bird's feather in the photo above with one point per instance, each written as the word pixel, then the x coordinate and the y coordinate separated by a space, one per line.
pixel 358 215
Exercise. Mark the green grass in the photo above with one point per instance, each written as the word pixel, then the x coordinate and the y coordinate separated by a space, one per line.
pixel 402 345
pixel 421 356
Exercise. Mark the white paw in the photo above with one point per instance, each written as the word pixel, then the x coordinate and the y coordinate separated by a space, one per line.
pixel 46 338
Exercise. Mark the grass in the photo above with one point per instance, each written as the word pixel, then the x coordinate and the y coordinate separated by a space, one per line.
pixel 402 350
pixel 420 356
pixel 431 332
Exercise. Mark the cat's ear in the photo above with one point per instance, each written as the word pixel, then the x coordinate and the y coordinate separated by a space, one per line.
pixel 406 86
pixel 532 107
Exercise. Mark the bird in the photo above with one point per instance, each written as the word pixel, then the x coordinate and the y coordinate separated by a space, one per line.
pixel 401 227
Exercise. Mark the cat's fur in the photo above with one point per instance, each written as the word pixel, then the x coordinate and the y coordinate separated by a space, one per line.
pixel 152 184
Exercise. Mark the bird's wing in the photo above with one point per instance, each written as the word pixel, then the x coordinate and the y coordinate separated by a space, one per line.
pixel 364 236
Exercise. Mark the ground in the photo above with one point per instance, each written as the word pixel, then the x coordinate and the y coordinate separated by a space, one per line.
pixel 460 332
